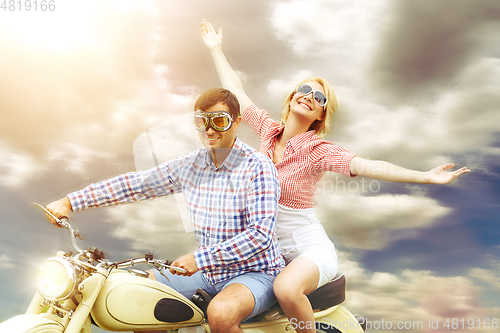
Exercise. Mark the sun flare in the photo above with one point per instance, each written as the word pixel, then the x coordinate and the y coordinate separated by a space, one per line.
pixel 70 25
pixel 67 27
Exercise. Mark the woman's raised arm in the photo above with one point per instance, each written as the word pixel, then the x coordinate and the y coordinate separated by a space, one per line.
pixel 227 76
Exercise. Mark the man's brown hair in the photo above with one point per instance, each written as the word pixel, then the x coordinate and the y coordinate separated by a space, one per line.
pixel 215 95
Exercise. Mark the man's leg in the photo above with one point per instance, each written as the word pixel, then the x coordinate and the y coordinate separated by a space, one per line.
pixel 241 297
pixel 229 308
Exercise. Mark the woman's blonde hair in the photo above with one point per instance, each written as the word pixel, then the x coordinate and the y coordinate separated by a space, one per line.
pixel 320 126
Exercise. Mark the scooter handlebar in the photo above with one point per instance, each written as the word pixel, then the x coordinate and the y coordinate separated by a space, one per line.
pixel 149 260
pixel 63 222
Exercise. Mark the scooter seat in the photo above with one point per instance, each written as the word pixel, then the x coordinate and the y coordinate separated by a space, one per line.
pixel 330 294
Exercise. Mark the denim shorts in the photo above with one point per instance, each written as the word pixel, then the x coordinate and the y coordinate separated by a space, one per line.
pixel 259 283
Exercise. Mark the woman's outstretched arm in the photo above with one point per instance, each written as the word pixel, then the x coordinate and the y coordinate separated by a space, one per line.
pixel 382 170
pixel 227 76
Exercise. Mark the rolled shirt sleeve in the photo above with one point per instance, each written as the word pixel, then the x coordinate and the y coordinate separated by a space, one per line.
pixel 126 188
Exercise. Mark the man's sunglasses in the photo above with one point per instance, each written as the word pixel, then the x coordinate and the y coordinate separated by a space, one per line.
pixel 219 121
pixel 318 96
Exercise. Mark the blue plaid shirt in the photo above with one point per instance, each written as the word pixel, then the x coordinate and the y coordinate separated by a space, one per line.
pixel 233 207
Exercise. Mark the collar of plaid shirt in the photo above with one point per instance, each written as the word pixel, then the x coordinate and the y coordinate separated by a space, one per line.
pixel 232 160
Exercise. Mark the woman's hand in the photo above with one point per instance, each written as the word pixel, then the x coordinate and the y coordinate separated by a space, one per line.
pixel 227 75
pixel 211 38
pixel 440 175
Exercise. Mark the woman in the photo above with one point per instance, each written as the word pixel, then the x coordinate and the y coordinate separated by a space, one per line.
pixel 301 157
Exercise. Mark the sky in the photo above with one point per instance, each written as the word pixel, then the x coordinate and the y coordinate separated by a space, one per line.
pixel 85 85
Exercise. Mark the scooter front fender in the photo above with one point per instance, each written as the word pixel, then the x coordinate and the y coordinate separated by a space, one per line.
pixel 31 323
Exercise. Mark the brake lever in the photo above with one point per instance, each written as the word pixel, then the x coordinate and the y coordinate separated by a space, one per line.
pixel 158 264
pixel 77 234
pixel 161 272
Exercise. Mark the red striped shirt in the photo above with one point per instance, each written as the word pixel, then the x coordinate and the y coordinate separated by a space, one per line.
pixel 305 159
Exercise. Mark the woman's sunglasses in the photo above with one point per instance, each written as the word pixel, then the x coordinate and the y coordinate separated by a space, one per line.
pixel 219 121
pixel 318 96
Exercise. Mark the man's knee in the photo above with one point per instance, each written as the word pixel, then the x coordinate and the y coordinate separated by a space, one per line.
pixel 230 307
pixel 218 320
pixel 223 319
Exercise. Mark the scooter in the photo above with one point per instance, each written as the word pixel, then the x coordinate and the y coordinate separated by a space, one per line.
pixel 77 291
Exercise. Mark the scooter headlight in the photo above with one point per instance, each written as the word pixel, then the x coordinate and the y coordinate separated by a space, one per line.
pixel 56 279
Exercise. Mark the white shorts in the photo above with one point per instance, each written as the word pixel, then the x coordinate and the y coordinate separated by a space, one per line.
pixel 308 239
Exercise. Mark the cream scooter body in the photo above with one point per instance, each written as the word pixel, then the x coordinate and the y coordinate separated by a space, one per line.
pixel 129 303
pixel 108 295
pixel 117 301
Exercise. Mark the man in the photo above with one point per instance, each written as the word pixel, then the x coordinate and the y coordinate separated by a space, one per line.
pixel 231 192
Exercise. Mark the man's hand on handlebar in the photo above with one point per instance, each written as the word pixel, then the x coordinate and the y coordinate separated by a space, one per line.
pixel 60 208
pixel 187 262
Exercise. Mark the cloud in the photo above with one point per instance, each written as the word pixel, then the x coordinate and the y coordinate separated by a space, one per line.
pixel 15 166
pixel 5 262
pixel 456 122
pixel 415 58
pixel 488 276
pixel 76 147
pixel 153 226
pixel 166 141
pixel 371 222
pixel 412 298
pixel 249 41
pixel 322 28
pixel 440 77
pixel 82 98
pixel 84 79
pixel 468 115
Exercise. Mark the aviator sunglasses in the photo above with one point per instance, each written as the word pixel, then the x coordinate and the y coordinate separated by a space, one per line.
pixel 318 96
pixel 219 121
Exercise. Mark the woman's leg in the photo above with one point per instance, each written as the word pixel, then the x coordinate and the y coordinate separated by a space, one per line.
pixel 298 279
